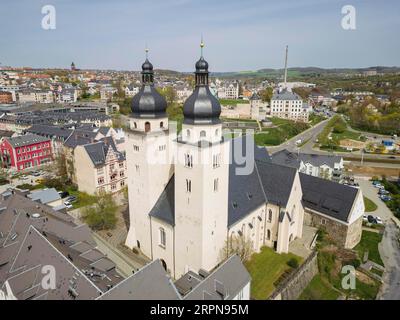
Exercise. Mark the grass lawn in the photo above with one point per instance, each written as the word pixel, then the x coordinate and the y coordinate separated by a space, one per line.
pixel 319 289
pixel 370 206
pixel 369 242
pixel 285 129
pixel 347 134
pixel 265 269
pixel 229 102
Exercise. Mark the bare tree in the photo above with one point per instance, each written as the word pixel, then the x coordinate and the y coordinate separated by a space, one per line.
pixel 239 245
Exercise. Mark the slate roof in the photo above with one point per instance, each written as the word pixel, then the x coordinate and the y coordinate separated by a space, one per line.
pixel 26 140
pixel 50 131
pixel 149 283
pixel 285 95
pixel 330 198
pixel 292 159
pixel 266 182
pixel 164 208
pixel 98 151
pixel 224 283
pixel 32 235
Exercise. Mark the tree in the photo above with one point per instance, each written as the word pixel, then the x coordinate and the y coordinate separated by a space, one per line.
pixel 239 245
pixel 169 94
pixel 102 215
pixel 266 94
pixel 60 163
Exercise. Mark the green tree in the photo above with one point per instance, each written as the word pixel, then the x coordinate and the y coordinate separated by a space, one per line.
pixel 102 215
pixel 266 94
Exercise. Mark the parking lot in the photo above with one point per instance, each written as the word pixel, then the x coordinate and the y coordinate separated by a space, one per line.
pixel 371 192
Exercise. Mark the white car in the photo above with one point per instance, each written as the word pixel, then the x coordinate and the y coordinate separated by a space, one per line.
pixel 68 205
pixel 378 185
pixel 378 220
pixel 365 218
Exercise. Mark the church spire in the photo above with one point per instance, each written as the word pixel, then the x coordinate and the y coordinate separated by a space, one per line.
pixel 147 70
pixel 201 68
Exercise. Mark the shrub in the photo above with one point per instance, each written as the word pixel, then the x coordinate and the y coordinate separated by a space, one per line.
pixel 293 263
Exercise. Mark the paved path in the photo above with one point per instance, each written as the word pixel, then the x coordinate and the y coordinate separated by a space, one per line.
pixel 390 253
pixel 371 192
pixel 124 264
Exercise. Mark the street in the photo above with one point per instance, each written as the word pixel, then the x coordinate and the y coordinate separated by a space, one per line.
pixel 389 246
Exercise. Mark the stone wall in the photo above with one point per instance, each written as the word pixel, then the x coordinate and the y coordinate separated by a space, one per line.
pixel 292 287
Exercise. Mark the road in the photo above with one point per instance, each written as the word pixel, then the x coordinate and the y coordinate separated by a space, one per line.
pixel 389 247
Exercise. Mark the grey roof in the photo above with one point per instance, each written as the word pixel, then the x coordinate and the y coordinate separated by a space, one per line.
pixel 45 196
pixel 98 151
pixel 224 283
pixel 267 182
pixel 328 197
pixel 50 131
pixel 26 140
pixel 33 234
pixel 149 283
pixel 292 159
pixel 255 96
pixel 285 95
pixel 164 208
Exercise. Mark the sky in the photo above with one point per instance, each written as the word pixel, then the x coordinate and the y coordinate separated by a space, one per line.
pixel 239 35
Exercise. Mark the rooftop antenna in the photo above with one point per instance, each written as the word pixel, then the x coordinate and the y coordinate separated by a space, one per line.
pixel 286 56
pixel 201 46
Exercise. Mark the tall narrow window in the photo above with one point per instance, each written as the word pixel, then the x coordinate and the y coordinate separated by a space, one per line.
pixel 202 134
pixel 268 234
pixel 216 185
pixel 270 215
pixel 163 239
pixel 188 185
pixel 188 161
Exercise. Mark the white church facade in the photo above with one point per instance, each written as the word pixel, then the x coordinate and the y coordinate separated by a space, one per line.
pixel 190 193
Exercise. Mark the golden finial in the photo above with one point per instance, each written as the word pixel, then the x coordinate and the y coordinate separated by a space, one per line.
pixel 202 45
pixel 147 51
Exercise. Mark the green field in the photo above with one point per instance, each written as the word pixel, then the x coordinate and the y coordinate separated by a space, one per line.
pixel 369 242
pixel 319 289
pixel 284 130
pixel 230 102
pixel 347 134
pixel 265 269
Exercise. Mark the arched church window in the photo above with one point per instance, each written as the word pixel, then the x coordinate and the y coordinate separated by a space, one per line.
pixel 202 134
pixel 135 125
pixel 147 126
pixel 188 185
pixel 188 133
pixel 268 234
pixel 270 215
pixel 161 124
pixel 216 132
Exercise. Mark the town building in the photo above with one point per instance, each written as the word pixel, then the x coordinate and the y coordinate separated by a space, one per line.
pixel 228 91
pixel 35 96
pixel 25 152
pixel 258 108
pixel 317 165
pixel 6 97
pixel 130 91
pixel 288 105
pixel 100 167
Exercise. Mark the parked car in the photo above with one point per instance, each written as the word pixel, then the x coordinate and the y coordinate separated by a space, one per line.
pixel 383 191
pixel 378 220
pixel 24 177
pixel 68 205
pixel 36 174
pixel 378 185
pixel 72 198
pixel 385 197
pixel 371 219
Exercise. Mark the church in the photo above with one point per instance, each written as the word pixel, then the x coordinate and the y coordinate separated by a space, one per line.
pixel 191 192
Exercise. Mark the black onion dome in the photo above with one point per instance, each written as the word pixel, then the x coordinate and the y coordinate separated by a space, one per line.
pixel 148 103
pixel 202 65
pixel 147 66
pixel 201 107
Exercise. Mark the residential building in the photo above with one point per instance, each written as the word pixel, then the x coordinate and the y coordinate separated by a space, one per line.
pixel 317 165
pixel 228 91
pixel 6 97
pixel 183 92
pixel 35 96
pixel 100 167
pixel 49 197
pixel 33 236
pixel 107 93
pixel 288 105
pixel 130 91
pixel 25 152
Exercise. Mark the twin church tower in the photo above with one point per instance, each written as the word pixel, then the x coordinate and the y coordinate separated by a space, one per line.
pixel 178 183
